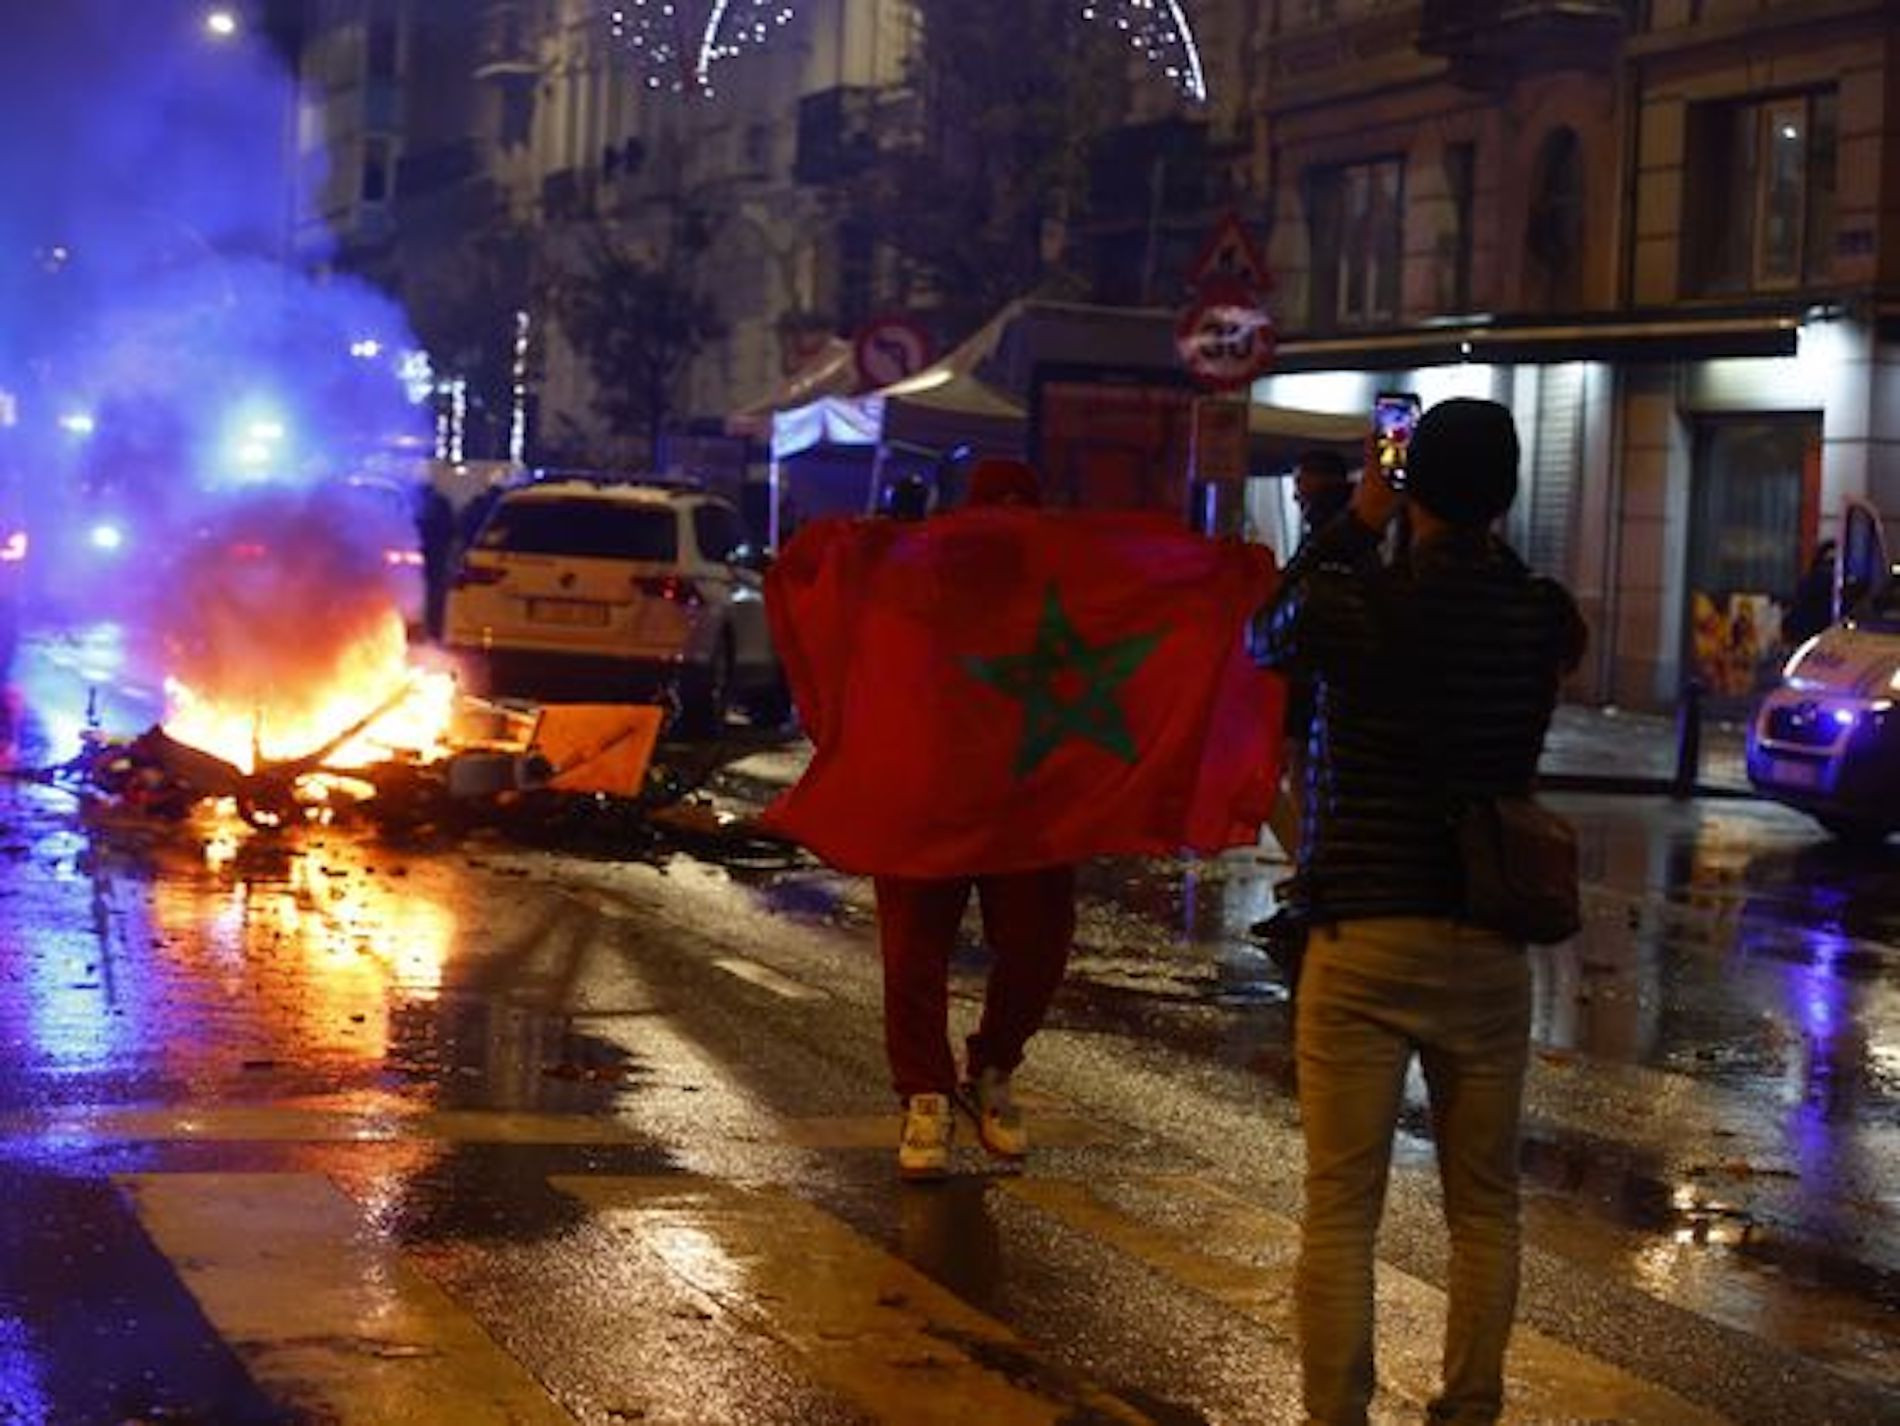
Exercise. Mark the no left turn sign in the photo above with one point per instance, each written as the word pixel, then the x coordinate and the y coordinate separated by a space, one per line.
pixel 890 349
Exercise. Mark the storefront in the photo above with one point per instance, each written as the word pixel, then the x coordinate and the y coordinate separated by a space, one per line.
pixel 1677 474
pixel 1754 507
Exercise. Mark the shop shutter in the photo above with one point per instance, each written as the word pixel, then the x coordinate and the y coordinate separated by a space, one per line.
pixel 1556 468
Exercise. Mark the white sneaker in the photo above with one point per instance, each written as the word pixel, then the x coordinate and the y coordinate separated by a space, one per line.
pixel 999 1123
pixel 929 1126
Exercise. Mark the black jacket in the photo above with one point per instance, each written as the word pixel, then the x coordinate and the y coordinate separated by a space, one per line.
pixel 1436 680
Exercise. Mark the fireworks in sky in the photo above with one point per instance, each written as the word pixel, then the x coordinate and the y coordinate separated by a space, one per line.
pixel 676 43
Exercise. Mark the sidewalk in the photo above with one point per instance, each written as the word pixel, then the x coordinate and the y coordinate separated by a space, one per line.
pixel 1590 749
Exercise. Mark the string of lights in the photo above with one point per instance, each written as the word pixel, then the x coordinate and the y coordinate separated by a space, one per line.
pixel 1158 31
pixel 674 44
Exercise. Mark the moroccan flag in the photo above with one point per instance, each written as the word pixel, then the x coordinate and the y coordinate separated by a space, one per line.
pixel 1002 688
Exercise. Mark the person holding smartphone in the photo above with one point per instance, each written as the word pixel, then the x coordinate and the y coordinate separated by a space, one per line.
pixel 1435 678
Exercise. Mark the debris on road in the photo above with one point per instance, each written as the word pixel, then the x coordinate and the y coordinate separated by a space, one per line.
pixel 584 774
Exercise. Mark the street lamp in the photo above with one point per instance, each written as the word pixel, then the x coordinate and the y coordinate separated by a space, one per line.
pixel 221 23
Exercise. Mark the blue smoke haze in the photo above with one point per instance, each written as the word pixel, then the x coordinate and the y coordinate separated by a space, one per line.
pixel 167 363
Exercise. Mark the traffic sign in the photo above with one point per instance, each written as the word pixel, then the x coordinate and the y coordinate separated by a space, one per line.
pixel 1230 257
pixel 1226 341
pixel 889 349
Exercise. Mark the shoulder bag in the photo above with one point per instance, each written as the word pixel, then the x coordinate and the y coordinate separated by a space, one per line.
pixel 1520 868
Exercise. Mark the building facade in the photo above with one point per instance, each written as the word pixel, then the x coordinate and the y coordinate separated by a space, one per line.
pixel 468 155
pixel 1665 233
pixel 445 139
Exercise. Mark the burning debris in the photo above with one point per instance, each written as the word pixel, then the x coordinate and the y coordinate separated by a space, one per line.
pixel 482 751
pixel 574 777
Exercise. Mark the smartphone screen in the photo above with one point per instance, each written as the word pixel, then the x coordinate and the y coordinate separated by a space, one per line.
pixel 1394 417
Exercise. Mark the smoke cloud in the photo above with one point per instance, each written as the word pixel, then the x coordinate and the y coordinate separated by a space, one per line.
pixel 174 373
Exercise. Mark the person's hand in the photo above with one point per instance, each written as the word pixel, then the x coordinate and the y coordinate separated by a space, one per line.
pixel 1374 501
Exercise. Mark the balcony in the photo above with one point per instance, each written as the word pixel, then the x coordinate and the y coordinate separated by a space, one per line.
pixel 506 50
pixel 1492 42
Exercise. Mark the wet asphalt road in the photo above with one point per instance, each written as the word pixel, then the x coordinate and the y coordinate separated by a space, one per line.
pixel 572 1121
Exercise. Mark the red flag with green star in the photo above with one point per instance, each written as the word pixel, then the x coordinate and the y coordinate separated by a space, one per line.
pixel 999 689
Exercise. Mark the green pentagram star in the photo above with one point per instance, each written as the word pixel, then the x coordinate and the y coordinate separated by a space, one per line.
pixel 1086 707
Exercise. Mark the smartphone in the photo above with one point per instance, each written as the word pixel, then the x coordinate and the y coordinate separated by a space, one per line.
pixel 1394 418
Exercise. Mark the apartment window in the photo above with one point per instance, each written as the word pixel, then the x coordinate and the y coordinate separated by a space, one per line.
pixel 376 170
pixel 1758 194
pixel 1553 226
pixel 758 148
pixel 381 48
pixel 516 127
pixel 1461 171
pixel 1355 216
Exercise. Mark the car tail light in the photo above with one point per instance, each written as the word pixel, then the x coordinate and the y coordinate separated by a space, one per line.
pixel 670 587
pixel 13 547
pixel 478 574
pixel 247 550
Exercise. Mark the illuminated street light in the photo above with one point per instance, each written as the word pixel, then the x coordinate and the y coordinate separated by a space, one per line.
pixel 221 23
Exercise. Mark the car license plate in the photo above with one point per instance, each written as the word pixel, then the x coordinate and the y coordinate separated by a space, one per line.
pixel 567 611
pixel 1789 773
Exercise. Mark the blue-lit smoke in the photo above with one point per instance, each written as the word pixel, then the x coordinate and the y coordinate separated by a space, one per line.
pixel 163 354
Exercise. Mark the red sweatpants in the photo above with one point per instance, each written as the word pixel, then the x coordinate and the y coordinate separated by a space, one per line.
pixel 1028 924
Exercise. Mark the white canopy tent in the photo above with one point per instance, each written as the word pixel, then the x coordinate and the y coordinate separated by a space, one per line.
pixel 924 416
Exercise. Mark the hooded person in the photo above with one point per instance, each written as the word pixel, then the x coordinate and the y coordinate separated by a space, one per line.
pixel 907 498
pixel 1436 679
pixel 1322 486
pixel 1028 927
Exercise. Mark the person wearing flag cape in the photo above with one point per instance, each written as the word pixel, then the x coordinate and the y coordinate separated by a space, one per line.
pixel 995 695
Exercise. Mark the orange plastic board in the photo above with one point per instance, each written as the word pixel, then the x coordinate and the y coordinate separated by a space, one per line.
pixel 598 747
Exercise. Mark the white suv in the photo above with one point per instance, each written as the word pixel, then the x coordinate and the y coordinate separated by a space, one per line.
pixel 600 589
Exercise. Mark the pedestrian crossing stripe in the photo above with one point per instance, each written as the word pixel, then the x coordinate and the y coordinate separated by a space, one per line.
pixel 864 1323
pixel 332 1317
pixel 333 1322
pixel 368 1119
pixel 327 1316
pixel 1545 1380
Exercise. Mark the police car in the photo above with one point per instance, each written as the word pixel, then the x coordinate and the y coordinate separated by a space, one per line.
pixel 1827 740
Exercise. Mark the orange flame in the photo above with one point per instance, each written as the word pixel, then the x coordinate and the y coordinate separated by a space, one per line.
pixel 402 709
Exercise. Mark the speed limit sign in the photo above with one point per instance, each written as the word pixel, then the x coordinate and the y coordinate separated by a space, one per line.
pixel 1225 341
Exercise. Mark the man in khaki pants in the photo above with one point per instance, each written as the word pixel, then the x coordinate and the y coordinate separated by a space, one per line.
pixel 1436 678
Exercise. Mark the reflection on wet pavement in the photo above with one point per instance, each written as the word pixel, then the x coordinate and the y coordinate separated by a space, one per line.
pixel 1716 1098
pixel 325 967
